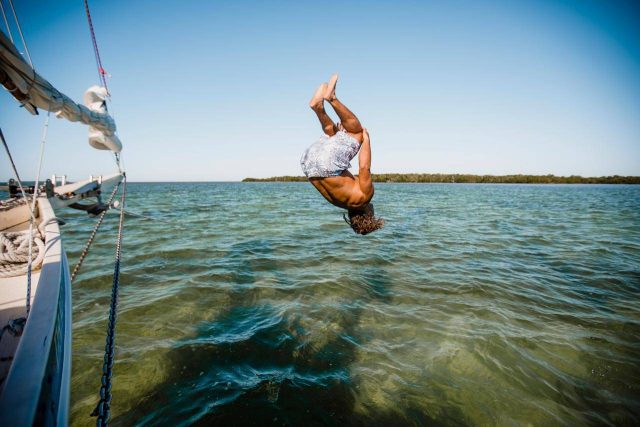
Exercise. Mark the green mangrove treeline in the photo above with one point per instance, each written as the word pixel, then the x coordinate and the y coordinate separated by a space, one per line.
pixel 476 179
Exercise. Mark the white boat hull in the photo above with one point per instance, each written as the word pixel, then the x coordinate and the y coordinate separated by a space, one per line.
pixel 36 389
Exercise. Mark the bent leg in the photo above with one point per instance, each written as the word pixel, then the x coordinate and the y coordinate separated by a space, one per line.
pixel 317 105
pixel 327 124
pixel 349 121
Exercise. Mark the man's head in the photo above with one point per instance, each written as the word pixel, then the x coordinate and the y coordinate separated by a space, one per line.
pixel 363 221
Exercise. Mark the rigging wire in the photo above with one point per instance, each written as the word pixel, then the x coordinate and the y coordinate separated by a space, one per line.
pixel 101 72
pixel 6 22
pixel 24 43
pixel 117 156
pixel 15 170
pixel 33 210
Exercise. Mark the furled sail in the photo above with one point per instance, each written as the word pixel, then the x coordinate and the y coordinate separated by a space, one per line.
pixel 33 92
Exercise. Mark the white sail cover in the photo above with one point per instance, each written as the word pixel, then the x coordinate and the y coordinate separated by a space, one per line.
pixel 32 91
pixel 95 99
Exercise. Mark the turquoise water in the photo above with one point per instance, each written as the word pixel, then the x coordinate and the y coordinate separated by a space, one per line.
pixel 252 304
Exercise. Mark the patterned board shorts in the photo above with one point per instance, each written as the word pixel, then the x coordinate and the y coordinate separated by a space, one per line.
pixel 329 156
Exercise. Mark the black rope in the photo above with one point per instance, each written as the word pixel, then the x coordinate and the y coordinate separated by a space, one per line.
pixel 103 409
pixel 87 245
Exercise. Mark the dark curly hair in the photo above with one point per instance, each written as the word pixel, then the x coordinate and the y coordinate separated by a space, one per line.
pixel 363 221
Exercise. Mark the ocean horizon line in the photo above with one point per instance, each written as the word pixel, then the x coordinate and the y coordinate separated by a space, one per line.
pixel 420 178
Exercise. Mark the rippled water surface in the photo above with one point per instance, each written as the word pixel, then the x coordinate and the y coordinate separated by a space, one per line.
pixel 255 304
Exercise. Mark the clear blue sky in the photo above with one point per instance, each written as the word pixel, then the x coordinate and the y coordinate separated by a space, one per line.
pixel 217 90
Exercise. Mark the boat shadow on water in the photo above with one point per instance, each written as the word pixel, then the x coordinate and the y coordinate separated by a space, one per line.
pixel 265 361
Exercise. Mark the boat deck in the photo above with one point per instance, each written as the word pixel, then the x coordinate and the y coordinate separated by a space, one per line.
pixel 13 295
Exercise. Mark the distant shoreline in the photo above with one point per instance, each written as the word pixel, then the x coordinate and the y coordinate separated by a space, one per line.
pixel 475 179
pixel 432 178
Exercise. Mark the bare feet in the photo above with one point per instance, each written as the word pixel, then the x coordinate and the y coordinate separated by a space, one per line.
pixel 318 97
pixel 330 93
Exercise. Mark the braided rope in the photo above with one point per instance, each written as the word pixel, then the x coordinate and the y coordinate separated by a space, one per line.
pixel 103 409
pixel 85 250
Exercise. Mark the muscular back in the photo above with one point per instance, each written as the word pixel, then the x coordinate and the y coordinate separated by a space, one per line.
pixel 342 191
pixel 346 191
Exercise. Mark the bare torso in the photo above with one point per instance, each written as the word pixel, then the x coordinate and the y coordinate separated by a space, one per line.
pixel 342 191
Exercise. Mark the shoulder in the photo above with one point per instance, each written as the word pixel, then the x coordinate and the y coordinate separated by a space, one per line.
pixel 359 197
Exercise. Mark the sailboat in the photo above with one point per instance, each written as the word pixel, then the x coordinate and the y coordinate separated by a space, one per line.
pixel 35 279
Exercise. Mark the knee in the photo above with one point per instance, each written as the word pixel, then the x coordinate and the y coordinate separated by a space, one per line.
pixel 330 130
pixel 353 126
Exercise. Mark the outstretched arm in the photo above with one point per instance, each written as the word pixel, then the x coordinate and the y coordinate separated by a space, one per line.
pixel 364 160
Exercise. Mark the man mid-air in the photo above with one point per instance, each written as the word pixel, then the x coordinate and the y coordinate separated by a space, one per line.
pixel 327 161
